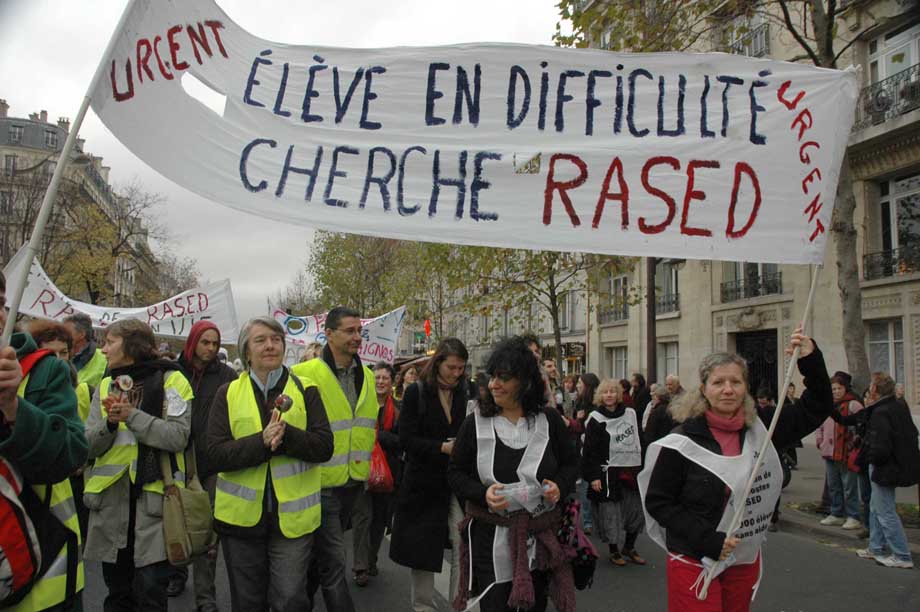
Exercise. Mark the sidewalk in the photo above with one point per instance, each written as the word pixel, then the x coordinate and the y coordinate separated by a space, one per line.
pixel 805 488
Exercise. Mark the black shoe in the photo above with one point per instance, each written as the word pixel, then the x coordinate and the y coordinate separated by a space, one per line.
pixel 176 586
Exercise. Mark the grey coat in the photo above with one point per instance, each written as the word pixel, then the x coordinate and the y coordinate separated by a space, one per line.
pixel 108 511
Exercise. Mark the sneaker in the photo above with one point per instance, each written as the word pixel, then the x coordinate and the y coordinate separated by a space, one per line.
pixel 617 559
pixel 892 561
pixel 865 553
pixel 851 523
pixel 633 556
pixel 832 520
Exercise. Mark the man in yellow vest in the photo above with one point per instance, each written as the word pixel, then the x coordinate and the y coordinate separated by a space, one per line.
pixel 87 358
pixel 267 433
pixel 42 436
pixel 347 389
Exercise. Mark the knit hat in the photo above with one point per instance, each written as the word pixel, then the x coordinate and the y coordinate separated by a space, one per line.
pixel 842 378
pixel 194 335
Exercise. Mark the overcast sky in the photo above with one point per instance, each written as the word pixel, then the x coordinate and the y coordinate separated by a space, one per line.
pixel 50 48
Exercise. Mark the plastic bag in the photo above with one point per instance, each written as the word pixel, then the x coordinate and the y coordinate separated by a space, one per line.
pixel 380 479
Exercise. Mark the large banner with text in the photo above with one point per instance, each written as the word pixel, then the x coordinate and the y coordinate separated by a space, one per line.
pixel 172 317
pixel 378 336
pixel 708 156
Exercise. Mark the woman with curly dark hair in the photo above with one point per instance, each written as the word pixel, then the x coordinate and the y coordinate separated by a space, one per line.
pixel 512 464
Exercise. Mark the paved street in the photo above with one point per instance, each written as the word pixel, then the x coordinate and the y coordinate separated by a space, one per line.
pixel 800 575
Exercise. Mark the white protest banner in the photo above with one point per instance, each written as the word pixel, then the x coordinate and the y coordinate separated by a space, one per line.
pixel 378 335
pixel 671 154
pixel 172 317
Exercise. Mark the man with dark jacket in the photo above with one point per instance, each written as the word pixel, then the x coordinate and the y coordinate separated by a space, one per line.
pixel 41 437
pixel 893 458
pixel 640 394
pixel 207 374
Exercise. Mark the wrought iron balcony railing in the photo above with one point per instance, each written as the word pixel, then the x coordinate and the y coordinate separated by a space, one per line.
pixel 903 260
pixel 755 43
pixel 611 313
pixel 670 302
pixel 766 284
pixel 892 97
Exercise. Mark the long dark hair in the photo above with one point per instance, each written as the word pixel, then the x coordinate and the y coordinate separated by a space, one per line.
pixel 586 398
pixel 513 356
pixel 448 347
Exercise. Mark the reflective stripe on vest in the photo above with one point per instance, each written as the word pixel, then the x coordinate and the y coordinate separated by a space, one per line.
pixel 94 369
pixel 122 455
pixel 353 433
pixel 51 589
pixel 239 496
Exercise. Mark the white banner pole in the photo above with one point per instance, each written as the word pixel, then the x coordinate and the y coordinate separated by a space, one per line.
pixel 739 512
pixel 22 274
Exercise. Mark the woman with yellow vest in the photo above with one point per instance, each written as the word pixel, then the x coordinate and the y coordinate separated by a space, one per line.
pixel 267 433
pixel 130 425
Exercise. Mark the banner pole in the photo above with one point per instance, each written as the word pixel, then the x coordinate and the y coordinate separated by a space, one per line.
pixel 21 275
pixel 739 511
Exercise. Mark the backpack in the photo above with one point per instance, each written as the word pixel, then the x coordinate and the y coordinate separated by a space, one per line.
pixel 30 535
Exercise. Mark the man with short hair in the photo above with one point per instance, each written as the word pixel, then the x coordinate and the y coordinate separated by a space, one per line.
pixel 42 441
pixel 893 458
pixel 347 389
pixel 533 343
pixel 206 373
pixel 640 394
pixel 87 358
pixel 672 382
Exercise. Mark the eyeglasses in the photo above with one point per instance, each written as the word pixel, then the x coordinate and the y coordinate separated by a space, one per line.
pixel 350 331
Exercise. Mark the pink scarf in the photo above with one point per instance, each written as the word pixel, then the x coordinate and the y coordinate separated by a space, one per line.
pixel 726 431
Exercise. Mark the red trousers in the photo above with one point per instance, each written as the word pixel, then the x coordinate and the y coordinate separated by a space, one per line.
pixel 731 591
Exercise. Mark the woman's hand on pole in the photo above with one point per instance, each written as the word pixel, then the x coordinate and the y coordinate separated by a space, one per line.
pixel 799 339
pixel 728 547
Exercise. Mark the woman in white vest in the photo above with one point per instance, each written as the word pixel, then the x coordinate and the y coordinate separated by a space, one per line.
pixel 512 464
pixel 129 426
pixel 611 459
pixel 695 477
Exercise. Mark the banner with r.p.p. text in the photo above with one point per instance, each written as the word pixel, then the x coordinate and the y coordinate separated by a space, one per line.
pixel 675 155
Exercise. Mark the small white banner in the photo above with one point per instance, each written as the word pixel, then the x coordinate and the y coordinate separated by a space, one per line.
pixel 378 335
pixel 706 156
pixel 172 317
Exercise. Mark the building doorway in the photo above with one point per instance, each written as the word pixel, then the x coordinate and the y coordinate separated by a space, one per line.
pixel 760 350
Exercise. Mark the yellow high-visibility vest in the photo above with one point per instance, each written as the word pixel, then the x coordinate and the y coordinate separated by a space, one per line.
pixel 94 370
pixel 354 433
pixel 84 400
pixel 51 589
pixel 240 494
pixel 122 455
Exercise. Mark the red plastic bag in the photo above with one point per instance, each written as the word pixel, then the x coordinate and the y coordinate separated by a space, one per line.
pixel 380 479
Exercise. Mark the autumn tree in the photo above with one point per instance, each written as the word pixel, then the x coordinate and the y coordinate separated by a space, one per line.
pixel 706 25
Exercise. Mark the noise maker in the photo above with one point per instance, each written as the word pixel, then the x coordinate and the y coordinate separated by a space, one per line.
pixel 124 384
pixel 283 403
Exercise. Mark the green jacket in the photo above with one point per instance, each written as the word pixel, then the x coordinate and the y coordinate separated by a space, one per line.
pixel 47 442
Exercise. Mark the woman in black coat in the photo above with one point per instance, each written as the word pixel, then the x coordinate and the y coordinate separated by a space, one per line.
pixel 427 513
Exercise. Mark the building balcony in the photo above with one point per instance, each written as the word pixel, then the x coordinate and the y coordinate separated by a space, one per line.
pixel 613 313
pixel 897 95
pixel 755 43
pixel 885 264
pixel 669 302
pixel 767 284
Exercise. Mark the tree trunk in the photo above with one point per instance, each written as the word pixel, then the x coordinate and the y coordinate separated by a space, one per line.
pixel 844 234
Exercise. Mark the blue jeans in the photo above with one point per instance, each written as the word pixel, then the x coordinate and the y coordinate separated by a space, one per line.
pixel 886 533
pixel 843 488
pixel 586 520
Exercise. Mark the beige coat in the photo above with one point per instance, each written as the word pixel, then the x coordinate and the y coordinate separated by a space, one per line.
pixel 108 516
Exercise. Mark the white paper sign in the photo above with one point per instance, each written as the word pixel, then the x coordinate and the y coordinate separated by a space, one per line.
pixel 671 154
pixel 378 335
pixel 172 317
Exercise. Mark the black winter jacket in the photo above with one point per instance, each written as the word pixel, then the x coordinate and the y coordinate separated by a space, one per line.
pixel 205 385
pixel 891 444
pixel 688 500
pixel 596 453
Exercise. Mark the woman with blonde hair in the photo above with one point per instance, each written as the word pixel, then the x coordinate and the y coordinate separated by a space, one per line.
pixel 697 475
pixel 612 457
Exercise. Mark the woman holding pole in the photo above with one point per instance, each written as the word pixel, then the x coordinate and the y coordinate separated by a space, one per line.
pixel 697 476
